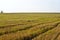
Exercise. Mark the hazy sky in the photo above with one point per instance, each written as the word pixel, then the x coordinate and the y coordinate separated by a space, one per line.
pixel 29 5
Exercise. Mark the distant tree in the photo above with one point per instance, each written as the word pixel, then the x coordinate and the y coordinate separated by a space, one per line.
pixel 1 11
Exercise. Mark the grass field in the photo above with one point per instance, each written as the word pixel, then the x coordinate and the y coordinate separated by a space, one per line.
pixel 30 26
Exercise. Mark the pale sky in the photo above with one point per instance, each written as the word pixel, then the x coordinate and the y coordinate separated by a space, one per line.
pixel 29 5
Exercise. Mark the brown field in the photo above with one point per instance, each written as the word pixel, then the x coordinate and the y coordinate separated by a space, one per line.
pixel 30 26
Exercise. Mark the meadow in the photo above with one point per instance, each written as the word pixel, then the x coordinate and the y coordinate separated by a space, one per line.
pixel 30 26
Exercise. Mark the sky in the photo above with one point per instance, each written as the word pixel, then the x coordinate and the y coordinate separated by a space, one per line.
pixel 30 5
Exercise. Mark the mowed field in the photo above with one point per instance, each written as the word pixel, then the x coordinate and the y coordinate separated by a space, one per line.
pixel 29 26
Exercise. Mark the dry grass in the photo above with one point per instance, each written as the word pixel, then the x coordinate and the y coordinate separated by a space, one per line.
pixel 29 26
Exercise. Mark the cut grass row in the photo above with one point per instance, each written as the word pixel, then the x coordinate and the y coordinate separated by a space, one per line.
pixel 29 33
pixel 15 28
pixel 10 23
pixel 18 27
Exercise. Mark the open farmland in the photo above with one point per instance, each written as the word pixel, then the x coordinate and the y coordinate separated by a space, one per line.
pixel 29 26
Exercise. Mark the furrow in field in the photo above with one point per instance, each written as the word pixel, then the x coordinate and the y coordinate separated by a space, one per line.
pixel 49 35
pixel 29 34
